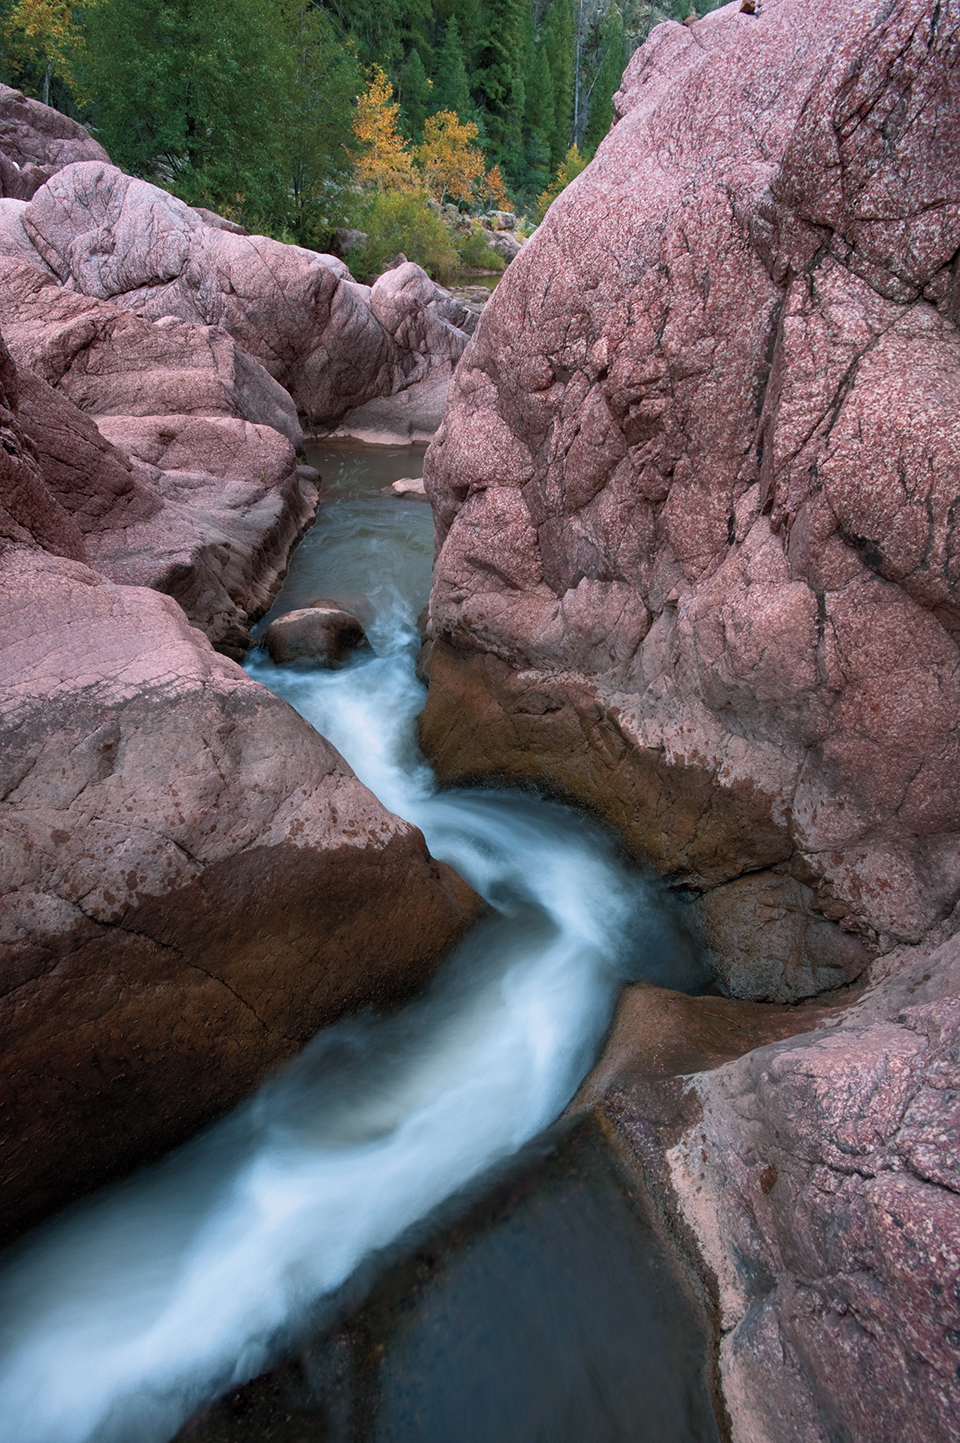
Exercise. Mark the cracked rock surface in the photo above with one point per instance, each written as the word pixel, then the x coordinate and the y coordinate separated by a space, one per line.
pixel 697 479
pixel 192 880
pixel 696 496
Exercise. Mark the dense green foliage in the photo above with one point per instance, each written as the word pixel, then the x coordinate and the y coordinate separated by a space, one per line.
pixel 416 90
pixel 195 91
pixel 402 221
pixel 247 106
pixel 451 88
pixel 613 59
pixel 473 250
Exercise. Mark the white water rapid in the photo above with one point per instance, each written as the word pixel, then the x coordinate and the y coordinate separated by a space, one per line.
pixel 123 1317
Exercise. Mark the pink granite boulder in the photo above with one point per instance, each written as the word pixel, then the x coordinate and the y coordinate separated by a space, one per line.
pixel 204 509
pixel 36 141
pixel 109 361
pixel 333 344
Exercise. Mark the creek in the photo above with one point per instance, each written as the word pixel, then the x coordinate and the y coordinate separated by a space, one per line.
pixel 137 1308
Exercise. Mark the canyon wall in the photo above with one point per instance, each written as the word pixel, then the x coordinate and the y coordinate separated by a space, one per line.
pixel 697 566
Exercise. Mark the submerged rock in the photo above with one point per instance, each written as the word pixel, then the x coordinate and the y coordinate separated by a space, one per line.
pixel 319 635
pixel 695 515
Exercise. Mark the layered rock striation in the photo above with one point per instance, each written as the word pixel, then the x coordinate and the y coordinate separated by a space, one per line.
pixel 697 567
pixel 193 880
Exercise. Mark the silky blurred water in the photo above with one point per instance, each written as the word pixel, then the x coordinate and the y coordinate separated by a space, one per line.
pixel 124 1316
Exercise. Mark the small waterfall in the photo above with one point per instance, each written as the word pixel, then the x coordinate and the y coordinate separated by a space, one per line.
pixel 125 1315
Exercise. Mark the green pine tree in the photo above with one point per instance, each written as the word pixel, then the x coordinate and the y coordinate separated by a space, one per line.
pixel 319 122
pixel 374 26
pixel 607 79
pixel 559 40
pixel 468 15
pixel 538 117
pixel 416 98
pixel 497 82
pixel 451 89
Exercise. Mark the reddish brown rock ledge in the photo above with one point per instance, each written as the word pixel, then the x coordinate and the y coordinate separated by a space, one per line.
pixel 697 567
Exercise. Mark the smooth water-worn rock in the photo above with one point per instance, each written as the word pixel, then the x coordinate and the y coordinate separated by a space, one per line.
pixel 503 243
pixel 695 497
pixel 408 488
pixel 192 878
pixel 337 347
pixel 331 343
pixel 205 509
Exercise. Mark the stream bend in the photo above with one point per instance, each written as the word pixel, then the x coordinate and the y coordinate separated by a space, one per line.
pixel 132 1310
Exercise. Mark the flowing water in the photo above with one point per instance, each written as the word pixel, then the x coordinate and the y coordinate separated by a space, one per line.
pixel 126 1315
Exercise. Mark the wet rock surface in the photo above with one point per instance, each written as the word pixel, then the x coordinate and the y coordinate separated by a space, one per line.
pixel 315 635
pixel 408 488
pixel 193 880
pixel 695 496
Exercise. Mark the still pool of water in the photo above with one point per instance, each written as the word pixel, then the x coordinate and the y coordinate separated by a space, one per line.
pixel 124 1318
pixel 365 548
pixel 547 1314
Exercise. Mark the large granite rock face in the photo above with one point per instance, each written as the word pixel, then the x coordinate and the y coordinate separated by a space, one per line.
pixel 192 879
pixel 695 485
pixel 695 497
pixel 333 344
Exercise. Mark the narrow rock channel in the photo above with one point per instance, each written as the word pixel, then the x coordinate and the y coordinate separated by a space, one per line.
pixel 127 1315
